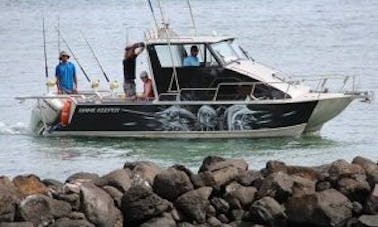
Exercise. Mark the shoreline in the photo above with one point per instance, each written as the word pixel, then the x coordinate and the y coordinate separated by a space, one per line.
pixel 224 192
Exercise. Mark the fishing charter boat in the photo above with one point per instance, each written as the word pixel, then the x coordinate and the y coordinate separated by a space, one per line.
pixel 228 95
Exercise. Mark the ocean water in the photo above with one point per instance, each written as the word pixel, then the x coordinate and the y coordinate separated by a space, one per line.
pixel 302 38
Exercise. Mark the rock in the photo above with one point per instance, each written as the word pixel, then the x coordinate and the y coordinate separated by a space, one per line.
pixel 274 166
pixel 171 183
pixel 223 218
pixel 165 220
pixel 53 185
pixel 355 190
pixel 250 178
pixel 238 196
pixel 97 205
pixel 139 204
pixel 213 163
pixel 325 208
pixel 29 185
pixel 185 224
pixel 243 224
pixel 82 177
pixel 72 188
pixel 72 198
pixel 8 200
pixel 220 205
pixel 342 169
pixel 216 178
pixel 237 214
pixel 357 208
pixel 16 224
pixel 268 211
pixel 214 222
pixel 371 205
pixel 66 222
pixel 193 203
pixel 370 168
pixel 41 209
pixel 368 220
pixel 323 185
pixel 302 186
pixel 142 171
pixel 115 194
pixel 300 171
pixel 277 185
pixel 211 211
pixel 119 179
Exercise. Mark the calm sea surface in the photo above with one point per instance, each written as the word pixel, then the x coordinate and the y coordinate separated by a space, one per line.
pixel 304 38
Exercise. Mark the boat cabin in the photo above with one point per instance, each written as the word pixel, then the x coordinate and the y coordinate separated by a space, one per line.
pixel 210 79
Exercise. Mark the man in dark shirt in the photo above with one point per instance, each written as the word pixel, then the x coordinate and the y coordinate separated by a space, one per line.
pixel 129 64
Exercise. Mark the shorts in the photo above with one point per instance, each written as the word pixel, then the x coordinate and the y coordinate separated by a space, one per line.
pixel 129 88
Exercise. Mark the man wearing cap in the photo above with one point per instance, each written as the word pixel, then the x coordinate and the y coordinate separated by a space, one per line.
pixel 129 63
pixel 65 73
pixel 147 86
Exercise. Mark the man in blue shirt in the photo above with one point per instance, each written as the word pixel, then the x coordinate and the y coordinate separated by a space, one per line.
pixel 192 60
pixel 65 73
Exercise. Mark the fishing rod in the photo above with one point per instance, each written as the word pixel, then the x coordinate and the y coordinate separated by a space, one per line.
pixel 94 55
pixel 192 17
pixel 73 55
pixel 153 14
pixel 44 47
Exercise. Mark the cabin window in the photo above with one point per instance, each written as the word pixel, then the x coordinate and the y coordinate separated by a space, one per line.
pixel 225 51
pixel 165 52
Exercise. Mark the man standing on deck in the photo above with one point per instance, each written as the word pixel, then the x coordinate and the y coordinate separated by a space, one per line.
pixel 65 73
pixel 129 64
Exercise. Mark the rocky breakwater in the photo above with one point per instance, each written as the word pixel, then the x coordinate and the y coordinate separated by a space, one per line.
pixel 224 192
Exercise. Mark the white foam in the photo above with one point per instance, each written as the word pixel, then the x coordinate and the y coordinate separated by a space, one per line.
pixel 18 128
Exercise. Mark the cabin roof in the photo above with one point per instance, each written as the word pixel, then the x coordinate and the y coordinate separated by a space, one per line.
pixel 188 39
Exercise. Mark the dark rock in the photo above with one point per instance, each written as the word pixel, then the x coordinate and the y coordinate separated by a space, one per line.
pixel 368 220
pixel 216 178
pixel 302 186
pixel 72 198
pixel 214 222
pixel 213 163
pixel 370 168
pixel 238 196
pixel 29 185
pixel 223 218
pixel 277 185
pixel 193 203
pixel 142 172
pixel 371 205
pixel 66 222
pixel 357 208
pixel 250 178
pixel 268 211
pixel 177 215
pixel 242 224
pixel 139 203
pixel 115 194
pixel 98 206
pixel 211 211
pixel 323 185
pixel 237 214
pixel 355 190
pixel 77 216
pixel 119 179
pixel 342 169
pixel 300 171
pixel 274 166
pixel 40 209
pixel 220 205
pixel 16 224
pixel 171 183
pixel 185 224
pixel 8 200
pixel 53 185
pixel 164 220
pixel 82 177
pixel 325 208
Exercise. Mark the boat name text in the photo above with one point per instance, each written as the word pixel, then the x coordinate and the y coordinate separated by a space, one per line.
pixel 99 110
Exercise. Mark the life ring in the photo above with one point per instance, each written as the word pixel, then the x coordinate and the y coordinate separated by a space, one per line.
pixel 64 115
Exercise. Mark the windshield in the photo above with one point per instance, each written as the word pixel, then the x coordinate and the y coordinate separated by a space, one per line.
pixel 228 51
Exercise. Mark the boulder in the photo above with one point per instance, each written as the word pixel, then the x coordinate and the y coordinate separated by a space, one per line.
pixel 370 168
pixel 214 222
pixel 342 169
pixel 139 204
pixel 72 198
pixel 237 214
pixel 371 205
pixel 66 222
pixel 98 206
pixel 115 194
pixel 355 190
pixel 213 163
pixel 215 178
pixel 82 177
pixel 239 196
pixel 119 179
pixel 323 185
pixel 41 209
pixel 368 221
pixel 325 208
pixel 302 186
pixel 16 224
pixel 310 173
pixel 165 220
pixel 29 185
pixel 243 224
pixel 53 185
pixel 194 203
pixel 223 218
pixel 142 172
pixel 277 185
pixel 220 205
pixel 267 211
pixel 8 200
pixel 250 178
pixel 171 183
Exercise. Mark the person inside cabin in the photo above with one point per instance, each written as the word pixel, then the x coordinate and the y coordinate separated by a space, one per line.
pixel 129 64
pixel 65 73
pixel 147 86
pixel 192 59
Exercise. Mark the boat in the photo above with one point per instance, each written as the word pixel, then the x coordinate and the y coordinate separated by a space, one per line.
pixel 229 95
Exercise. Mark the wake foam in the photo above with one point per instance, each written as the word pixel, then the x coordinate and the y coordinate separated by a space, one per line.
pixel 18 128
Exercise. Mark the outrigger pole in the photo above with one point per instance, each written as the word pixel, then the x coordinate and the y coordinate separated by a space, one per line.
pixel 94 55
pixel 76 59
pixel 44 47
pixel 153 14
pixel 191 16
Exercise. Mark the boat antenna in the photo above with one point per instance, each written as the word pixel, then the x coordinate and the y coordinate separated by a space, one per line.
pixel 161 12
pixel 192 17
pixel 59 35
pixel 94 55
pixel 73 55
pixel 153 13
pixel 44 47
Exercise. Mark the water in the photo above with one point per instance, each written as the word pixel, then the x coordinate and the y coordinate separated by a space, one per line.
pixel 298 37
